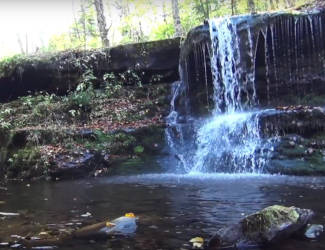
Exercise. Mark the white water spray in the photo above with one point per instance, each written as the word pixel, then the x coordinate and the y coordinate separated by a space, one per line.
pixel 229 141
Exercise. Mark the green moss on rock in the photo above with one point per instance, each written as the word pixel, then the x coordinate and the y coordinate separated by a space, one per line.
pixel 265 220
pixel 25 163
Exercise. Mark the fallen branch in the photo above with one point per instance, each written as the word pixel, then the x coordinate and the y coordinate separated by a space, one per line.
pixel 121 226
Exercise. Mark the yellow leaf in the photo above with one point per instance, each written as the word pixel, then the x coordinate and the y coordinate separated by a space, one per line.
pixel 110 224
pixel 130 215
pixel 197 240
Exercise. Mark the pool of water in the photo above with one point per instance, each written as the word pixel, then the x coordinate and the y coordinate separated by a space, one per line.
pixel 172 209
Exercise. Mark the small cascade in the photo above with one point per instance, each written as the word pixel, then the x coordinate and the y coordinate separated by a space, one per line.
pixel 230 143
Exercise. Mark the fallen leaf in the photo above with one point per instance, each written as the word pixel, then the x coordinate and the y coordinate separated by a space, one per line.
pixel 197 242
pixel 130 215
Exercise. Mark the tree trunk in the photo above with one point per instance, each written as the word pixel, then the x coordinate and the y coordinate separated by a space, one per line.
pixel 251 6
pixel 271 4
pixel 84 26
pixel 233 7
pixel 205 11
pixel 177 19
pixel 21 45
pixel 101 22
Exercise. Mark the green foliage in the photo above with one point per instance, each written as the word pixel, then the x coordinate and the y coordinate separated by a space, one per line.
pixel 83 32
pixel 4 124
pixel 122 143
pixel 9 64
pixel 138 150
pixel 42 105
pixel 163 31
pixel 25 160
pixel 113 86
pixel 80 99
pixel 119 143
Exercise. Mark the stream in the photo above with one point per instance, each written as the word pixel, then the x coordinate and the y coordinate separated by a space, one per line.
pixel 172 209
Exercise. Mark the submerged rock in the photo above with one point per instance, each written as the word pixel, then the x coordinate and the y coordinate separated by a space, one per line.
pixel 269 225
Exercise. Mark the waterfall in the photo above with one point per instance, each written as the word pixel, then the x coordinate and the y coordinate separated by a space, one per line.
pixel 231 73
pixel 228 140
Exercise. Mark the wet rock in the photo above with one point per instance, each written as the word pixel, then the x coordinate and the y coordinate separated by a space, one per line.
pixel 301 122
pixel 78 165
pixel 313 231
pixel 267 226
pixel 275 80
pixel 304 158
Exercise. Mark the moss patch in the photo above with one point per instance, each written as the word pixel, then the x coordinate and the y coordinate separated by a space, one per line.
pixel 266 219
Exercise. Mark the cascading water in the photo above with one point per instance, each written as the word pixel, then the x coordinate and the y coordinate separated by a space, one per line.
pixel 229 141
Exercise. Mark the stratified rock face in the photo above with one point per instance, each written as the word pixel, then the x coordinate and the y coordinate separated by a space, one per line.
pixel 195 64
pixel 298 133
pixel 269 225
pixel 283 53
pixel 300 120
pixel 290 57
pixel 148 62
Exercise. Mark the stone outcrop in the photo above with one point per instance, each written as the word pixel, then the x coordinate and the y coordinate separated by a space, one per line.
pixel 77 165
pixel 284 52
pixel 267 226
pixel 278 66
pixel 300 120
pixel 298 134
pixel 148 62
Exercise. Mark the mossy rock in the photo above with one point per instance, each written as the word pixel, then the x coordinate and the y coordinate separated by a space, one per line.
pixel 151 138
pixel 267 226
pixel 25 163
pixel 297 167
pixel 122 143
pixel 264 221
pixel 135 165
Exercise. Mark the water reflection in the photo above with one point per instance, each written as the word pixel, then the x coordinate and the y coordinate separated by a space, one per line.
pixel 172 208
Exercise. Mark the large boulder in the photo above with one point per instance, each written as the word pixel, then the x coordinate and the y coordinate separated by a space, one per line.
pixel 270 225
